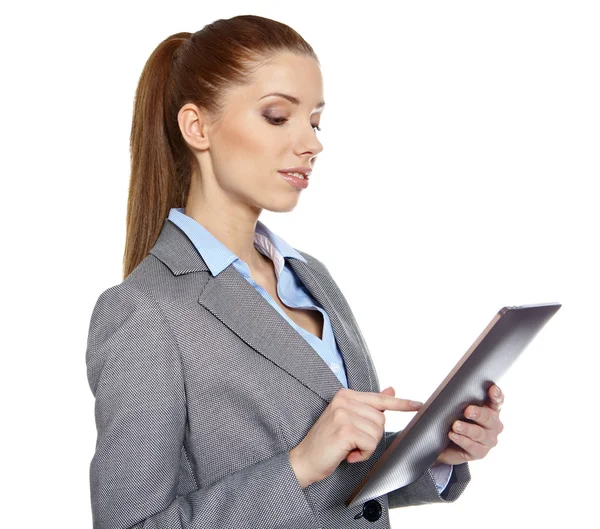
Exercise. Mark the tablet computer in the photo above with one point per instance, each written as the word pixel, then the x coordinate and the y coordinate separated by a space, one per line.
pixel 425 437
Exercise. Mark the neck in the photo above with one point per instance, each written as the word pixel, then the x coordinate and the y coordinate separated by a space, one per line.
pixel 234 233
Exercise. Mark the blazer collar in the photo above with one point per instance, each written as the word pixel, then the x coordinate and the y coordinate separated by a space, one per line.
pixel 230 298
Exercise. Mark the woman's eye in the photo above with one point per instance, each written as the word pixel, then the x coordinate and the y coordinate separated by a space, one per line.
pixel 281 121
pixel 275 121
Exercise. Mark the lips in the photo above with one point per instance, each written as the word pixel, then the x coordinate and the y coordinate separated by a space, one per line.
pixel 296 181
pixel 295 175
pixel 306 171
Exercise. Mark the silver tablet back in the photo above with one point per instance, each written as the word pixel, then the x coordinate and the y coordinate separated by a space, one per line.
pixel 425 437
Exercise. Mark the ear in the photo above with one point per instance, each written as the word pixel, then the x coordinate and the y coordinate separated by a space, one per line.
pixel 194 126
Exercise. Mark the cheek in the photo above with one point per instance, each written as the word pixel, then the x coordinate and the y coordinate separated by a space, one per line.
pixel 249 149
pixel 244 139
pixel 258 144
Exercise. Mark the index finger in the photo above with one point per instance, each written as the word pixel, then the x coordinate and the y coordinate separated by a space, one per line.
pixel 381 401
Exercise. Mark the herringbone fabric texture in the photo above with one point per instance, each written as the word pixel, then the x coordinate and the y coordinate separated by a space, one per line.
pixel 202 389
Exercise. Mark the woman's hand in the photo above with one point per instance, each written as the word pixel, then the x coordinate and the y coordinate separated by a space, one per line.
pixel 350 428
pixel 474 441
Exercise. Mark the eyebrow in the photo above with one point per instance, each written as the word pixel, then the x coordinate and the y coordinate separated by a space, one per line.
pixel 293 99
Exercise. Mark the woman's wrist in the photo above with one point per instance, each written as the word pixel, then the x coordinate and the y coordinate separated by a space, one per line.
pixel 299 469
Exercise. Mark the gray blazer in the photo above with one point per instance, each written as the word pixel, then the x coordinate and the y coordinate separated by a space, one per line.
pixel 202 389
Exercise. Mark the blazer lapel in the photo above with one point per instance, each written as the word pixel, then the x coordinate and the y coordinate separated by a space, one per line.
pixel 231 299
pixel 323 289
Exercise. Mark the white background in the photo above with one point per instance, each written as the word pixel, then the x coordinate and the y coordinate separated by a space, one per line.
pixel 459 175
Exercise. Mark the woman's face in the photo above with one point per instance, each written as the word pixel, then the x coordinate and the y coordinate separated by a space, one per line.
pixel 260 134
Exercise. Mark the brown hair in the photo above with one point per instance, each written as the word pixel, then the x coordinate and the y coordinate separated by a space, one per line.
pixel 187 68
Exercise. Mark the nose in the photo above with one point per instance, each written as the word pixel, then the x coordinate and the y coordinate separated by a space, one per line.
pixel 309 143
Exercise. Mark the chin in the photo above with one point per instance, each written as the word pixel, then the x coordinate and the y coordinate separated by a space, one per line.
pixel 282 205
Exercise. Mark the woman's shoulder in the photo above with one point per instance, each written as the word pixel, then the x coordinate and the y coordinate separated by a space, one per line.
pixel 147 284
pixel 128 320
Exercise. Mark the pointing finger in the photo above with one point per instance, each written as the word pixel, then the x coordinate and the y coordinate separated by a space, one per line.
pixel 380 401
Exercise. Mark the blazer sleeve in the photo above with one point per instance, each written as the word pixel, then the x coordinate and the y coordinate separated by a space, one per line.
pixel 135 373
pixel 423 490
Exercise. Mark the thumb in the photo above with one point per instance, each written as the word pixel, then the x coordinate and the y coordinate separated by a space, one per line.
pixel 389 391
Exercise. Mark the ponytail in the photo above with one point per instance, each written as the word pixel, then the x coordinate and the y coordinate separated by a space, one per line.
pixel 154 186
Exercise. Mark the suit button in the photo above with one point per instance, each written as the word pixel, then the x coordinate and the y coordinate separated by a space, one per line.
pixel 372 510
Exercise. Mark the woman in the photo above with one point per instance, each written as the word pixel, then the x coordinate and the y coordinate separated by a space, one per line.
pixel 233 386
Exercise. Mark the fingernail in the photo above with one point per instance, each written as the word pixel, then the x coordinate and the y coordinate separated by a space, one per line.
pixel 496 391
pixel 416 403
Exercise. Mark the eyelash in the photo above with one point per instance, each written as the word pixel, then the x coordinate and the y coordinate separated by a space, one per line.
pixel 280 121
